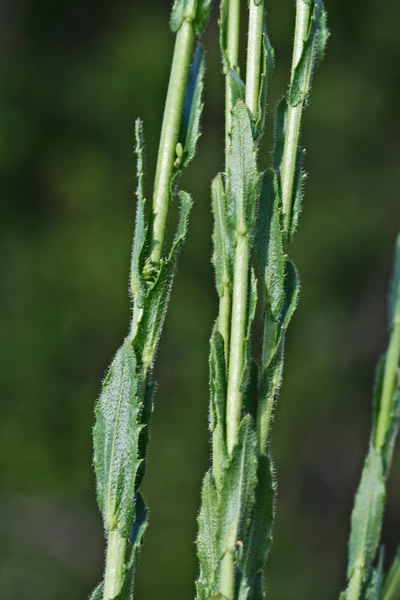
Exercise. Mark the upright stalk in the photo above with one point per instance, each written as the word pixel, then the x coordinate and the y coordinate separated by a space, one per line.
pixel 169 135
pixel 303 11
pixel 253 64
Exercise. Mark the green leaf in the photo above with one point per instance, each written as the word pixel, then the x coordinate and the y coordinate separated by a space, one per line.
pixel 147 410
pixel 291 297
pixel 149 331
pixel 218 389
pixel 394 417
pixel 116 436
pixel 391 587
pixel 323 31
pixel 193 107
pixel 366 518
pixel 300 84
pixel 237 495
pixel 203 12
pixel 250 395
pixel 373 587
pixel 394 296
pixel 223 33
pixel 253 553
pixel 275 258
pixel 97 594
pixel 138 284
pixel 177 15
pixel 207 550
pixel 268 60
pixel 223 240
pixel 238 88
pixel 243 177
pixel 298 186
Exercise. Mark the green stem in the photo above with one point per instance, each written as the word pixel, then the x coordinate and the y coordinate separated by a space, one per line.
pixel 227 578
pixel 223 319
pixel 233 30
pixel 169 135
pixel 355 584
pixel 293 118
pixel 389 380
pixel 115 565
pixel 254 46
pixel 238 331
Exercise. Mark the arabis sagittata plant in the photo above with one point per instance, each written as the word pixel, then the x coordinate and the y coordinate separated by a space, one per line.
pixel 125 404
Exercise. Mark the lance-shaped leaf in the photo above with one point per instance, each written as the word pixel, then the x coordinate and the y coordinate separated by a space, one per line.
pixel 391 587
pixel 373 588
pixel 223 33
pixel 279 136
pixel 116 436
pixel 149 331
pixel 243 177
pixel 253 553
pixel 207 550
pixel 218 403
pixel 138 284
pixel 366 518
pixel 238 87
pixel 313 48
pixel 223 239
pixel 237 494
pixel 291 297
pixel 268 57
pixel 299 179
pixel 98 593
pixel 193 107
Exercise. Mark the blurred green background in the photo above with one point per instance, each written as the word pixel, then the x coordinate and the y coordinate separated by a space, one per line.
pixel 74 77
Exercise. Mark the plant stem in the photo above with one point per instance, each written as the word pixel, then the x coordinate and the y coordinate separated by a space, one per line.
pixel 391 588
pixel 293 118
pixel 115 563
pixel 253 65
pixel 389 379
pixel 238 330
pixel 169 135
pixel 354 589
pixel 227 584
pixel 233 58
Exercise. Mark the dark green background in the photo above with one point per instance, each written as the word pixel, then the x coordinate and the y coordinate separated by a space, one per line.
pixel 74 77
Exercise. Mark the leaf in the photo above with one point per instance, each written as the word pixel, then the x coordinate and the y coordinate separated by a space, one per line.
pixel 243 176
pixel 206 540
pixel 218 390
pixel 394 417
pixel 116 436
pixel 366 518
pixel 298 185
pixel 177 15
pixel 391 587
pixel 192 107
pixel 203 12
pixel 250 395
pixel 373 587
pixel 268 59
pixel 223 240
pixel 223 33
pixel 300 83
pixel 291 297
pixel 97 594
pixel 237 495
pixel 258 539
pixel 269 386
pixel 274 275
pixel 394 296
pixel 148 335
pixel 138 284
pixel 238 88
pixel 323 31
pixel 147 410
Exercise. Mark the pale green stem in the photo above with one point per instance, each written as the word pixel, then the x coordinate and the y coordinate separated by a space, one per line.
pixel 293 118
pixel 389 380
pixel 227 579
pixel 115 565
pixel 223 320
pixel 233 58
pixel 253 64
pixel 237 341
pixel 169 135
pixel 355 584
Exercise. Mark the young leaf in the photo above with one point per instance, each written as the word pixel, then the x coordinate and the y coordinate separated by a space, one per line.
pixel 223 239
pixel 238 87
pixel 279 136
pixel 268 58
pixel 138 285
pixel 366 518
pixel 300 84
pixel 298 185
pixel 237 494
pixel 98 593
pixel 218 395
pixel 116 436
pixel 202 14
pixel 207 550
pixel 291 296
pixel 223 33
pixel 243 176
pixel 193 107
pixel 373 587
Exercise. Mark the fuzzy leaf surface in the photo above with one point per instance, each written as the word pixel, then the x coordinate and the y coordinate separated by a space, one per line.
pixel 366 518
pixel 138 285
pixel 193 107
pixel 237 495
pixel 223 238
pixel 268 59
pixel 116 436
pixel 207 550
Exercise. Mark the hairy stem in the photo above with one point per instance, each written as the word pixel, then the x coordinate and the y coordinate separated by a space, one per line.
pixel 303 9
pixel 115 563
pixel 169 135
pixel 253 64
